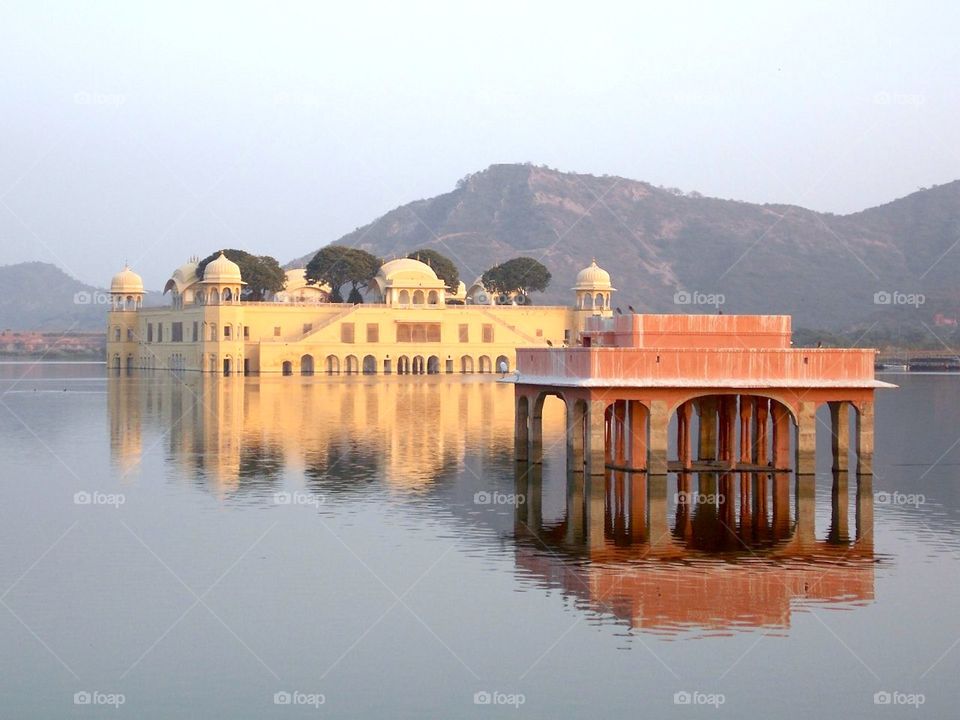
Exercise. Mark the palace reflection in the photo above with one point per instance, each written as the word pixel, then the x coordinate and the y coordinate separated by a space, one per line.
pixel 722 552
pixel 238 434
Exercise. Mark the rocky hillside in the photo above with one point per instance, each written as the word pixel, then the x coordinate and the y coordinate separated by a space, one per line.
pixel 665 248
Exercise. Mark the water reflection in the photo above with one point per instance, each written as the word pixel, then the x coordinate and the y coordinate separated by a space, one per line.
pixel 722 552
pixel 696 554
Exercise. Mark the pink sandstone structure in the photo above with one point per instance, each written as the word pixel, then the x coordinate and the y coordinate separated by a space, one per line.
pixel 736 376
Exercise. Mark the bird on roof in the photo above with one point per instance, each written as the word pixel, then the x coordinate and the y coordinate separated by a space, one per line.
pixel 549 343
pixel 630 308
pixel 619 311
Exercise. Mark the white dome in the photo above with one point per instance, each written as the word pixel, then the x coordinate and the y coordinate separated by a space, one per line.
pixel 126 281
pixel 406 270
pixel 222 270
pixel 183 277
pixel 593 277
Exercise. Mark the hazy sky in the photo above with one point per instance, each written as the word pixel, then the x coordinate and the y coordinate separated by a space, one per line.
pixel 154 132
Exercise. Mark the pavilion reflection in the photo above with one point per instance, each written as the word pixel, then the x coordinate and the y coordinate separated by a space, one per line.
pixel 725 551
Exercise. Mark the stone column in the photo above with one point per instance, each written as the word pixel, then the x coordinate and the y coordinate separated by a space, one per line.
pixel 746 429
pixel 608 435
pixel 806 509
pixel 684 415
pixel 596 495
pixel 658 530
pixel 865 438
pixel 575 509
pixel 806 462
pixel 637 412
pixel 707 449
pixel 760 448
pixel 781 505
pixel 536 433
pixel 619 433
pixel 576 440
pixel 659 424
pixel 864 510
pixel 729 424
pixel 521 434
pixel 840 433
pixel 781 437
pixel 596 437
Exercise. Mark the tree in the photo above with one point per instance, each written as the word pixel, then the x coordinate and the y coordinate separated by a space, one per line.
pixel 520 275
pixel 261 273
pixel 442 266
pixel 337 265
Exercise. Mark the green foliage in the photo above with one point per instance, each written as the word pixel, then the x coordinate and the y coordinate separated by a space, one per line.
pixel 337 265
pixel 261 273
pixel 522 274
pixel 441 264
pixel 355 297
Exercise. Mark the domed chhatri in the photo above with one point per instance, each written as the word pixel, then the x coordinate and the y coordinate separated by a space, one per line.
pixel 406 281
pixel 593 289
pixel 593 277
pixel 222 270
pixel 126 281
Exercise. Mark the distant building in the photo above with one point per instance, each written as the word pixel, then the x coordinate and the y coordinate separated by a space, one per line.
pixel 413 326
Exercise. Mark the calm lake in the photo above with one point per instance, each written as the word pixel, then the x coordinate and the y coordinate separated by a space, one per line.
pixel 181 546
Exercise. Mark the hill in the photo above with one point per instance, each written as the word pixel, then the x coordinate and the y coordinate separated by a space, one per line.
pixel 40 296
pixel 663 246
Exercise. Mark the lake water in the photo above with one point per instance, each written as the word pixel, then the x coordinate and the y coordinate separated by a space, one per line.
pixel 355 547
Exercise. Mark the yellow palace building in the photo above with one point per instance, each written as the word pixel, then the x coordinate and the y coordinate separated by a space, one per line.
pixel 413 326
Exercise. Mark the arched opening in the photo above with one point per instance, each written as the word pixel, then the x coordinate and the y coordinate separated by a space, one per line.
pixel 201 297
pixel 387 366
pixel 418 297
pixel 116 362
pixel 433 298
pixel 352 365
pixel 369 365
pixel 485 364
pixel 433 365
pixel 214 296
pixel 306 365
pixel 129 362
pixel 503 364
pixel 598 300
pixel 227 365
pixel 287 367
pixel 404 298
pixel 466 364
pixel 418 366
pixel 333 365
pixel 403 365
pixel 227 296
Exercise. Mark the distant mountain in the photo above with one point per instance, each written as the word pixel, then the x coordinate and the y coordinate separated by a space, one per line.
pixel 663 247
pixel 40 296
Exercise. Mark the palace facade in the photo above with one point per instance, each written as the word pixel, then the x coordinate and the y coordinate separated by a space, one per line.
pixel 413 326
